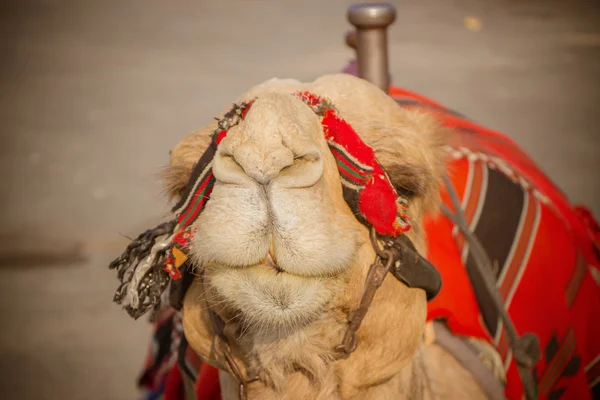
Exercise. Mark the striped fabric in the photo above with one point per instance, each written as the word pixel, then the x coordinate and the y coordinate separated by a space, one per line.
pixel 592 374
pixel 197 193
pixel 366 186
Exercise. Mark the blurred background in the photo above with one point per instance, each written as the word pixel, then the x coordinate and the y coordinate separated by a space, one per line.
pixel 93 95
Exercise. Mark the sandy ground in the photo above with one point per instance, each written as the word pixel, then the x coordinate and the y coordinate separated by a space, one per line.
pixel 93 94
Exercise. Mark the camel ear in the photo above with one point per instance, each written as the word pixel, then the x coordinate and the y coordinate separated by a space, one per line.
pixel 183 158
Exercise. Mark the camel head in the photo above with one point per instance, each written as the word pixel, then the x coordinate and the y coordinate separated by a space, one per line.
pixel 277 247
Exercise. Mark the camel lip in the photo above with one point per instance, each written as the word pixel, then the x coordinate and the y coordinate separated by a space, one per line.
pixel 270 262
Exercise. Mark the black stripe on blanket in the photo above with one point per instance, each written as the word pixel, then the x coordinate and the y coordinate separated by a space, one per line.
pixel 496 229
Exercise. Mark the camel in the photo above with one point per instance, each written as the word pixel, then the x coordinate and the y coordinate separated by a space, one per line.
pixel 280 261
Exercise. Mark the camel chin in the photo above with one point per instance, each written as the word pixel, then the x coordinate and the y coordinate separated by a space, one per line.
pixel 265 299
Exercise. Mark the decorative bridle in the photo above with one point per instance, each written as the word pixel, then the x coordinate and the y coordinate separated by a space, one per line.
pixel 159 256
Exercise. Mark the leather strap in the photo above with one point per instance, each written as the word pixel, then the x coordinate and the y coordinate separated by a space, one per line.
pixel 413 269
pixel 377 273
pixel 526 349
pixel 223 349
pixel 399 256
pixel 468 357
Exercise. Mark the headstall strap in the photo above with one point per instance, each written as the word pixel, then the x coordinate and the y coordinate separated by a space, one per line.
pixel 223 349
pixel 399 257
pixel 384 260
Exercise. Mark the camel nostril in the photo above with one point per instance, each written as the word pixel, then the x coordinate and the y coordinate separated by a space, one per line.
pixel 263 164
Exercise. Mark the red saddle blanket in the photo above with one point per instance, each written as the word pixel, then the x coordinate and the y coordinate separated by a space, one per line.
pixel 544 251
pixel 546 261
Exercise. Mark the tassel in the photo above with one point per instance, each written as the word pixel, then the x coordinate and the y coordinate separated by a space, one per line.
pixel 140 270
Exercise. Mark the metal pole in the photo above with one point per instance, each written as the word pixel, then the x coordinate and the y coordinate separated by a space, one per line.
pixel 371 22
pixel 351 39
